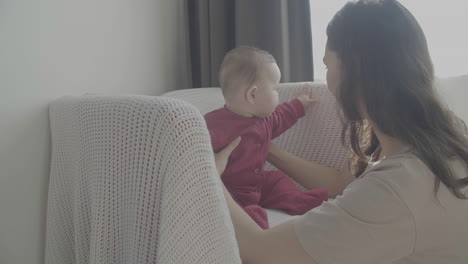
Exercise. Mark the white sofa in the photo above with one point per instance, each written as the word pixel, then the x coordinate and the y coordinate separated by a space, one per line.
pixel 133 178
pixel 317 136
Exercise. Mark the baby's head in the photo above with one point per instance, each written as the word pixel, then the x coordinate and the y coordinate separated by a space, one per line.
pixel 249 78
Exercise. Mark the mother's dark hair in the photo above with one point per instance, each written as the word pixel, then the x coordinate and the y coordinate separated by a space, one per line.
pixel 386 67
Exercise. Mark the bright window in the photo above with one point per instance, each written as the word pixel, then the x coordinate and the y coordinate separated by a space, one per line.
pixel 444 24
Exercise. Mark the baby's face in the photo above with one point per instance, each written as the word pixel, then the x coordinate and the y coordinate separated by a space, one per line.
pixel 267 97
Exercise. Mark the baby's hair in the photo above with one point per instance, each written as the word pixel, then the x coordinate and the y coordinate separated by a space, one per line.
pixel 241 68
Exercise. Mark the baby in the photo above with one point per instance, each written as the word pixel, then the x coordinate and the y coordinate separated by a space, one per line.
pixel 249 78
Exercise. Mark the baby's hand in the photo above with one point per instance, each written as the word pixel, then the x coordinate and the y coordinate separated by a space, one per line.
pixel 305 96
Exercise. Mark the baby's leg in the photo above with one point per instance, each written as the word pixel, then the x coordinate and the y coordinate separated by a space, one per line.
pixel 280 192
pixel 258 214
pixel 249 200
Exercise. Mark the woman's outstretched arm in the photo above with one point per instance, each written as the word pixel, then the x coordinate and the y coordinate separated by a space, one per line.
pixel 257 246
pixel 310 174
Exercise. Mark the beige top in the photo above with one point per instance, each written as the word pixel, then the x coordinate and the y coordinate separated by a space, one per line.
pixel 390 215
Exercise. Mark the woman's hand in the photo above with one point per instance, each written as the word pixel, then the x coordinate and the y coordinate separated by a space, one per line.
pixel 221 158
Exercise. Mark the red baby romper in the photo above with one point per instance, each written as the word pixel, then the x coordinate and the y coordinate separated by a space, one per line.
pixel 250 186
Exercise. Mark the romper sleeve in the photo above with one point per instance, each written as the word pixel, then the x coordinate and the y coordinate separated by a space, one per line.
pixel 369 223
pixel 285 116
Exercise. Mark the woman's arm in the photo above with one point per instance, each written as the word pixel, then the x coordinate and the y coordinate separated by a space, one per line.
pixel 310 174
pixel 276 245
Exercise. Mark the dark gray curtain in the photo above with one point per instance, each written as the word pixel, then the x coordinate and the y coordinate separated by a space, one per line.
pixel 280 27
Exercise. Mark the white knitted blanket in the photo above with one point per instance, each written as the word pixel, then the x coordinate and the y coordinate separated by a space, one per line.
pixel 316 136
pixel 133 180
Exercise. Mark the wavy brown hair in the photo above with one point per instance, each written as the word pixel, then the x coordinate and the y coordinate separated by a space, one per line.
pixel 386 66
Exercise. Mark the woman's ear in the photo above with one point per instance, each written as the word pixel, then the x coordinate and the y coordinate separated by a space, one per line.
pixel 250 94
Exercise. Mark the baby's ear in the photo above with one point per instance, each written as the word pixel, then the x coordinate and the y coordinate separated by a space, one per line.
pixel 250 94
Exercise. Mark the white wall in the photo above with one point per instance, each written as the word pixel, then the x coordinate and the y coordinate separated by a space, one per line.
pixel 454 92
pixel 441 21
pixel 52 48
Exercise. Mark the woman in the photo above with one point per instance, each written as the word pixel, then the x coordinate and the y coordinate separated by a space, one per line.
pixel 409 201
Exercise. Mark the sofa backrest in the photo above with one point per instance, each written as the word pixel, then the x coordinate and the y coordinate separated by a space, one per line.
pixel 317 136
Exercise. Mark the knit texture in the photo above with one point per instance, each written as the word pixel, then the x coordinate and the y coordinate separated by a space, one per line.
pixel 133 180
pixel 316 136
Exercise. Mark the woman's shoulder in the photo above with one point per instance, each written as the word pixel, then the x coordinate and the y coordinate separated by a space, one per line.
pixel 413 182
pixel 393 200
pixel 404 162
pixel 405 170
pixel 439 218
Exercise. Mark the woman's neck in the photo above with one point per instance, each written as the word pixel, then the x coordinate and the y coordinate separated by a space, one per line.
pixel 389 145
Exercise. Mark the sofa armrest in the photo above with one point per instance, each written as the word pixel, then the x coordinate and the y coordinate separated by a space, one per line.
pixel 135 173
